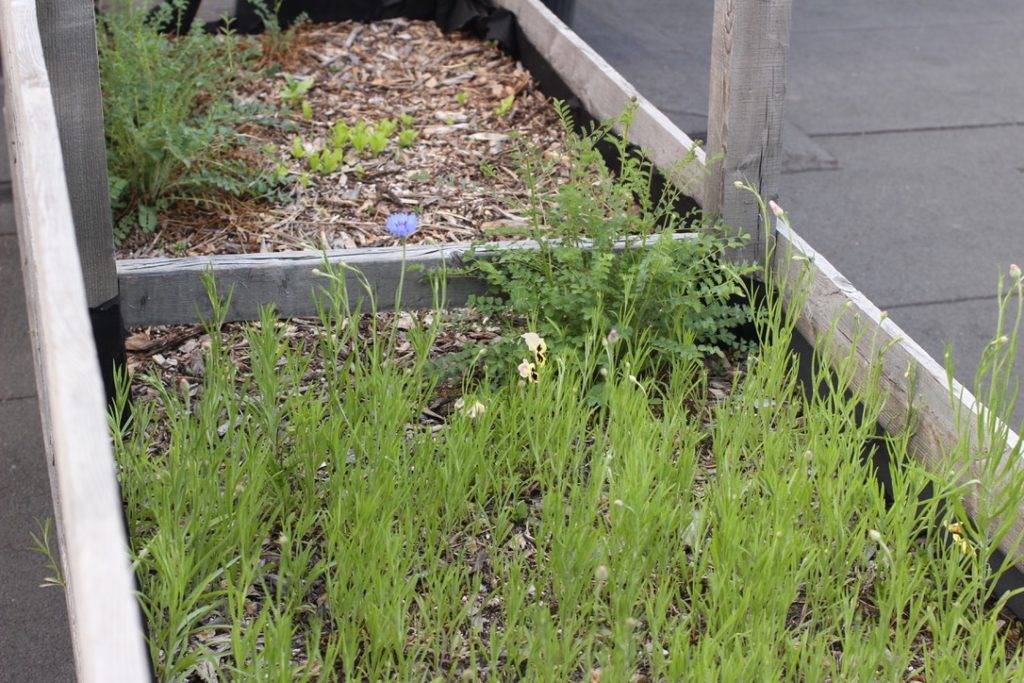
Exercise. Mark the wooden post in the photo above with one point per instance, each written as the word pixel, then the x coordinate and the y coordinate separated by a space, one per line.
pixel 67 29
pixel 748 88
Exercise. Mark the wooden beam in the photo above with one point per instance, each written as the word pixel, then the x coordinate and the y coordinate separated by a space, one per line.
pixel 67 29
pixel 605 94
pixel 166 291
pixel 748 87
pixel 918 396
pixel 106 626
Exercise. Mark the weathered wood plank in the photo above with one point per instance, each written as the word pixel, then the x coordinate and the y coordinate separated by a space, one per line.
pixel 67 29
pixel 164 291
pixel 919 397
pixel 748 87
pixel 605 94
pixel 167 291
pixel 105 620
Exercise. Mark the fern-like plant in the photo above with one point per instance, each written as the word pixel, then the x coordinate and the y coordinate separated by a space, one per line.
pixel 608 256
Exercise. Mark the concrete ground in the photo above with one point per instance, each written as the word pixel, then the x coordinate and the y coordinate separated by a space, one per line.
pixel 35 642
pixel 904 141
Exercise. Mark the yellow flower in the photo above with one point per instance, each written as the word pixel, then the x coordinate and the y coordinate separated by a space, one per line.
pixel 959 538
pixel 537 346
pixel 528 371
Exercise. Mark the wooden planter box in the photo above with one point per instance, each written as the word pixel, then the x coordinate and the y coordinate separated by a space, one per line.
pixel 64 281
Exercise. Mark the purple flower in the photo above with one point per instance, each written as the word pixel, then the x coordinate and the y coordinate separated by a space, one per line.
pixel 402 225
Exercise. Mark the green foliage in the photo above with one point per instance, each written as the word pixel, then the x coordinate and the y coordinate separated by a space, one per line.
pixel 168 115
pixel 505 106
pixel 323 530
pixel 42 543
pixel 295 89
pixel 276 40
pixel 606 257
pixel 406 138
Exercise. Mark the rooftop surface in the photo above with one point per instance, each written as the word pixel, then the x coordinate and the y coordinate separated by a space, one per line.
pixel 905 168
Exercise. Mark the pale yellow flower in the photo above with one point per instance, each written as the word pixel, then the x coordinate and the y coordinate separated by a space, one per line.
pixel 528 371
pixel 537 346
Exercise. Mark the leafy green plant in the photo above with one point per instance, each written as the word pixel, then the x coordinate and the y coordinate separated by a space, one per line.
pixel 295 89
pixel 406 138
pixel 386 127
pixel 377 143
pixel 168 115
pixel 276 39
pixel 505 106
pixel 607 257
pixel 339 134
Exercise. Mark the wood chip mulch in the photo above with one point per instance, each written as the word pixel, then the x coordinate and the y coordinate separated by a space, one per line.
pixel 458 174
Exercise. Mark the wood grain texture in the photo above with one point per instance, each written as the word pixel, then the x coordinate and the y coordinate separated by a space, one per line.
pixel 749 44
pixel 919 397
pixel 106 627
pixel 163 291
pixel 170 290
pixel 67 29
pixel 605 94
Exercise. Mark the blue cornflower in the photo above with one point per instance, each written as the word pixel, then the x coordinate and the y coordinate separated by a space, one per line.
pixel 401 225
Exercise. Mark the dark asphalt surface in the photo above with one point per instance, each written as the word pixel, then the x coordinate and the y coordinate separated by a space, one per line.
pixel 904 142
pixel 35 642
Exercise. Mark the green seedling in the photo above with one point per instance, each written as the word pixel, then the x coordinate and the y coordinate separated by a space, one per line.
pixel 386 127
pixel 377 143
pixel 505 106
pixel 330 160
pixel 298 149
pixel 307 111
pixel 340 134
pixel 407 137
pixel 315 161
pixel 295 89
pixel 406 120
pixel 359 136
pixel 462 97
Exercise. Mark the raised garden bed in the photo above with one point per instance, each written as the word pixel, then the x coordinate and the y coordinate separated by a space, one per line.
pixel 720 512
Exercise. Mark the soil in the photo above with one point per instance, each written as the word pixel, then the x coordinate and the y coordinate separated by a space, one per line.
pixel 458 173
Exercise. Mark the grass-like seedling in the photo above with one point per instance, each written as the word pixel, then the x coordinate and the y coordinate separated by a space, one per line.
pixel 295 513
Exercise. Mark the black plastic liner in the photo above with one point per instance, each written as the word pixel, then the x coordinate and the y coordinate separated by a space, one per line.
pixel 479 17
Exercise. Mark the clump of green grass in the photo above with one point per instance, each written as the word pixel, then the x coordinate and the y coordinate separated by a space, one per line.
pixel 169 115
pixel 298 516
